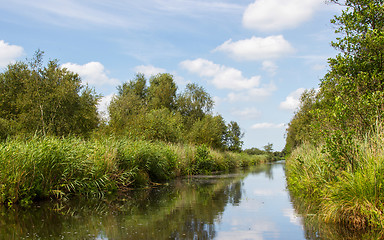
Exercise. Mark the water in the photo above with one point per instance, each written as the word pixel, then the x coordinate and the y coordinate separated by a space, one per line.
pixel 251 204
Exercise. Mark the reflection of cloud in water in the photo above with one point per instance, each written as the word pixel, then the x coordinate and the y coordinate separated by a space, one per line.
pixel 255 231
pixel 268 192
pixel 293 216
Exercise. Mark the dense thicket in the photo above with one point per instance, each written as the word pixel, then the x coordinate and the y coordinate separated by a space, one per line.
pixel 336 137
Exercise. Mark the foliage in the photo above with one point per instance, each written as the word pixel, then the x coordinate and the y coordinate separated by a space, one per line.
pixel 193 104
pixel 352 196
pixel 341 171
pixel 211 130
pixel 46 100
pixel 233 137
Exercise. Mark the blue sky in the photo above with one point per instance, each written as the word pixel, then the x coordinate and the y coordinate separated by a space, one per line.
pixel 254 57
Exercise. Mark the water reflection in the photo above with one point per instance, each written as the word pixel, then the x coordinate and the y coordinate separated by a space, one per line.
pixel 244 205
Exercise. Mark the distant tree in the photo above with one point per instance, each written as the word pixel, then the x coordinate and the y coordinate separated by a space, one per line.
pixel 268 148
pixel 234 136
pixel 254 151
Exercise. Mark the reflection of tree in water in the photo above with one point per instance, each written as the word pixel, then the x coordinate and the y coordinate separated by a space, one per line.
pixel 184 211
pixel 314 229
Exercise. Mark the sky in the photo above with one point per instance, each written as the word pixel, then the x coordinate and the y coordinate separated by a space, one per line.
pixel 254 57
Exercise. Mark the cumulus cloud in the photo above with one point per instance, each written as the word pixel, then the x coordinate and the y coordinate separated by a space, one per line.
pixel 92 73
pixel 9 53
pixel 292 101
pixel 271 15
pixel 220 76
pixel 267 125
pixel 257 48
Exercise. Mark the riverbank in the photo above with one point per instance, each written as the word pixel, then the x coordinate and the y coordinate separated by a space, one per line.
pixel 51 167
pixel 348 192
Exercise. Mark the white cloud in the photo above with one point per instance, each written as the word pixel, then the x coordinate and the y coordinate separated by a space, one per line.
pixel 257 48
pixel 270 67
pixel 92 73
pixel 149 70
pixel 267 125
pixel 103 105
pixel 220 76
pixel 9 53
pixel 293 216
pixel 271 15
pixel 252 94
pixel 248 113
pixel 292 101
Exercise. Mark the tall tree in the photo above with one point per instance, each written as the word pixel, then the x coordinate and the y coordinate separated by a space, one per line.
pixel 234 136
pixel 162 92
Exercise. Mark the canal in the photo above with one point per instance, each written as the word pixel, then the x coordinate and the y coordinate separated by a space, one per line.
pixel 249 204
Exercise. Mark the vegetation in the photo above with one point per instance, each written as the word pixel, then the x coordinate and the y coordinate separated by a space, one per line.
pixel 54 145
pixel 54 167
pixel 335 138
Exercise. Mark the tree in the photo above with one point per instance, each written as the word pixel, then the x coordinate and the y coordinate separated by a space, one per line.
pixel 350 99
pixel 162 92
pixel 268 148
pixel 128 108
pixel 48 100
pixel 353 88
pixel 193 104
pixel 233 137
pixel 210 130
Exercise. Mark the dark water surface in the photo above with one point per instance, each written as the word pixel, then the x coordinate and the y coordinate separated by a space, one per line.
pixel 252 204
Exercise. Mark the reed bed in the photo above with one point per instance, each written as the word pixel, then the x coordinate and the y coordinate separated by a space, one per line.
pixel 43 168
pixel 353 196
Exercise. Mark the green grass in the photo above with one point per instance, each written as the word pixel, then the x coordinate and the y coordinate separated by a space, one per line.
pixel 352 196
pixel 50 167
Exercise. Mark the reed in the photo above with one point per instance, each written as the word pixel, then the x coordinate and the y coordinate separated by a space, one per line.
pixel 353 196
pixel 41 168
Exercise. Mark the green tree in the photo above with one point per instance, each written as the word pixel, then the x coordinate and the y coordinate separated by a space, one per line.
pixel 128 108
pixel 268 148
pixel 194 103
pixel 162 92
pixel 48 100
pixel 234 136
pixel 210 130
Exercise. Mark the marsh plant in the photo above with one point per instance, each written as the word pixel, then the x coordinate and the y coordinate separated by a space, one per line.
pixel 52 167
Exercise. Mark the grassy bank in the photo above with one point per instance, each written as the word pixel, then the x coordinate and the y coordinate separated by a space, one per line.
pixel 61 167
pixel 348 191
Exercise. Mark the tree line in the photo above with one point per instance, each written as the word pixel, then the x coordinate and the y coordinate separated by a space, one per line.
pixel 335 139
pixel 350 98
pixel 52 101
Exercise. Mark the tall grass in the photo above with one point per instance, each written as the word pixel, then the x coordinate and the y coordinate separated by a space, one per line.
pixel 50 167
pixel 352 196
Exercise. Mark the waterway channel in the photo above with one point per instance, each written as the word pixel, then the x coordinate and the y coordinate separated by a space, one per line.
pixel 249 204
